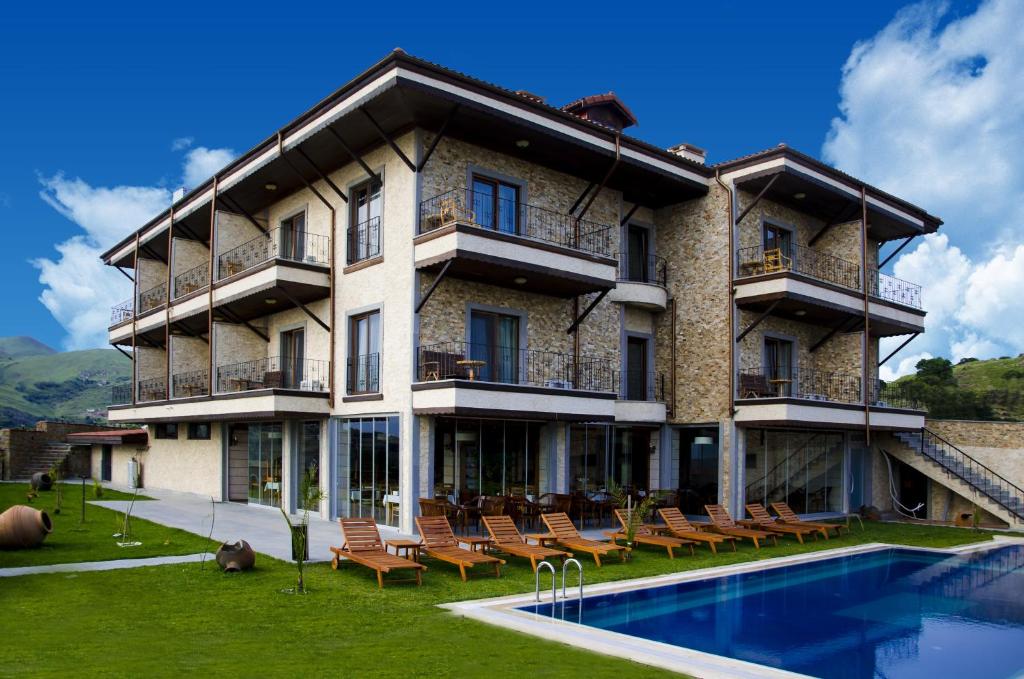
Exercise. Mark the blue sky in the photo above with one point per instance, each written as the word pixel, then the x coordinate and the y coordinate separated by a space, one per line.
pixel 108 109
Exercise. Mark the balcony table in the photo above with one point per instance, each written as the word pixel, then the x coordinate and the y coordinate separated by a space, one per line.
pixel 471 365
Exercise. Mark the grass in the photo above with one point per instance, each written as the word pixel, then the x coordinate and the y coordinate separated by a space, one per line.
pixel 170 620
pixel 72 541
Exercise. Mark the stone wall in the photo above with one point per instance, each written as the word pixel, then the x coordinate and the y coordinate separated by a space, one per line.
pixel 231 231
pixel 150 363
pixel 151 273
pixel 997 445
pixel 189 354
pixel 188 254
pixel 235 344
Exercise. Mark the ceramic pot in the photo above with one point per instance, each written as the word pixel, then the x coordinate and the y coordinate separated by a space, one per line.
pixel 42 481
pixel 236 556
pixel 22 526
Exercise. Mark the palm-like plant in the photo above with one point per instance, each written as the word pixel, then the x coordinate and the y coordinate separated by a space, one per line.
pixel 310 495
pixel 636 512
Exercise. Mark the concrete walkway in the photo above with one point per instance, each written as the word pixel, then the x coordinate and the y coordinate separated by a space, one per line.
pixel 101 565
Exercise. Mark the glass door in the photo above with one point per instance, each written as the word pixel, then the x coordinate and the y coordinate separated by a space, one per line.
pixel 307 459
pixel 495 204
pixel 365 352
pixel 265 464
pixel 494 341
pixel 364 239
pixel 778 365
pixel 368 468
pixel 636 369
pixel 293 354
pixel 293 237
pixel 637 239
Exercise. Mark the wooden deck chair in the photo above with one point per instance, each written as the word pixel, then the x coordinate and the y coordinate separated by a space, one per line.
pixel 787 515
pixel 645 536
pixel 775 261
pixel 362 545
pixel 761 519
pixel 440 543
pixel 722 523
pixel 565 534
pixel 506 538
pixel 680 527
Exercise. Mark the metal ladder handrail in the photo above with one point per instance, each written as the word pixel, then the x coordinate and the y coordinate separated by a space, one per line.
pixel 579 567
pixel 554 591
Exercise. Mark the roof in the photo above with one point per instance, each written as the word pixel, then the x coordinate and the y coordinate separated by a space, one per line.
pixel 598 99
pixel 109 437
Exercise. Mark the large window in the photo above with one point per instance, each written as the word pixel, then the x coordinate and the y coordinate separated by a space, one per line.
pixel 777 237
pixel 265 461
pixel 588 458
pixel 694 468
pixel 364 233
pixel 636 369
pixel 364 353
pixel 368 468
pixel 802 468
pixel 293 237
pixel 779 369
pixel 293 357
pixel 307 456
pixel 486 457
pixel 638 249
pixel 496 204
pixel 494 341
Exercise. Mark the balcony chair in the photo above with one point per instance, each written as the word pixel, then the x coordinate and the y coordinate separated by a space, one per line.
pixel 775 261
pixel 755 386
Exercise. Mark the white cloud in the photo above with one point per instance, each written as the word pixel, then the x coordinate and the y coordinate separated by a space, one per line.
pixel 182 143
pixel 932 109
pixel 78 289
pixel 905 366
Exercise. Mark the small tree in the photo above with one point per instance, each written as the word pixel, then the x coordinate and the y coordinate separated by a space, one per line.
pixel 636 513
pixel 310 494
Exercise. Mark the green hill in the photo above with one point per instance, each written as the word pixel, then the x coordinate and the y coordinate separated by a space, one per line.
pixel 972 389
pixel 37 382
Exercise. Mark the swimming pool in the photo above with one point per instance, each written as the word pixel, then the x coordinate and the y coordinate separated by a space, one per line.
pixel 889 612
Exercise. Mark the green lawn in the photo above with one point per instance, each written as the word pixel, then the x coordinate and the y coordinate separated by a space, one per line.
pixel 72 541
pixel 170 620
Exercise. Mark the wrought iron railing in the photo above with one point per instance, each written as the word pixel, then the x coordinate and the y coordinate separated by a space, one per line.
pixel 152 298
pixel 364 240
pixel 894 395
pixel 892 289
pixel 122 312
pixel 640 386
pixel 649 269
pixel 192 383
pixel 192 280
pixel 514 218
pixel 152 389
pixel 364 374
pixel 488 363
pixel 804 383
pixel 296 246
pixel 120 394
pixel 274 372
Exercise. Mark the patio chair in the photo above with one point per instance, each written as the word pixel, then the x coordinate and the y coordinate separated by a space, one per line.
pixel 564 533
pixel 507 538
pixel 722 523
pixel 440 543
pixel 775 261
pixel 645 536
pixel 755 385
pixel 679 526
pixel 362 545
pixel 761 519
pixel 787 515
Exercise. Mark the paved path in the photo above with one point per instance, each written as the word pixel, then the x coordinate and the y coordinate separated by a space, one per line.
pixel 101 565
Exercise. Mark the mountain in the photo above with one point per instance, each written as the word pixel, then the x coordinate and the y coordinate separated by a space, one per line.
pixel 37 382
pixel 972 389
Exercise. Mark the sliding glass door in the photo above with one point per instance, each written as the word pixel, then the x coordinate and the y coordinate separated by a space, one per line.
pixel 494 340
pixel 486 457
pixel 367 461
pixel 265 460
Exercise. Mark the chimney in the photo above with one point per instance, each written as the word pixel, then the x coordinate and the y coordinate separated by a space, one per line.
pixel 178 194
pixel 690 152
pixel 603 109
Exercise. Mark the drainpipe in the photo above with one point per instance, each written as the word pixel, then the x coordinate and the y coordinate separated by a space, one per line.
pixel 866 387
pixel 210 345
pixel 167 325
pixel 732 311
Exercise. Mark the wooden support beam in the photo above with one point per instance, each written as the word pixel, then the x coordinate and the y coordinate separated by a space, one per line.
pixel 604 180
pixel 125 274
pixel 185 331
pixel 433 286
pixel 151 252
pixel 899 348
pixel 284 156
pixel 125 353
pixel 355 156
pixel 629 215
pixel 388 140
pixel 581 197
pixel 843 215
pixel 334 187
pixel 757 321
pixel 304 308
pixel 897 251
pixel 235 207
pixel 437 138
pixel 844 325
pixel 757 199
pixel 233 318
pixel 586 312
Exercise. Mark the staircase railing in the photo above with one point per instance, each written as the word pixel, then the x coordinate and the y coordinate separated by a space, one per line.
pixel 992 484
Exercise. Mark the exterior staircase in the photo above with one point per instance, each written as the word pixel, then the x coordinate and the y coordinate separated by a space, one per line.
pixel 52 453
pixel 941 461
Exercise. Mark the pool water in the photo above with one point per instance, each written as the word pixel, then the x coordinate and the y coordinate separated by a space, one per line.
pixel 891 613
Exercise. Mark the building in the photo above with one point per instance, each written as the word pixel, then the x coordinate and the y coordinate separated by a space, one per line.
pixel 429 285
pixel 24 452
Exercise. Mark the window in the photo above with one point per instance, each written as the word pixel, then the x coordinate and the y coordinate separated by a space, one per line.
pixel 307 441
pixel 199 430
pixel 293 237
pixel 778 365
pixel 364 353
pixel 636 369
pixel 778 237
pixel 293 358
pixel 364 222
pixel 494 340
pixel 166 431
pixel 638 246
pixel 367 466
pixel 496 204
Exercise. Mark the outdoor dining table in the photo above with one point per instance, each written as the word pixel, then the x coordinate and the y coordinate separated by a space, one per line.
pixel 471 365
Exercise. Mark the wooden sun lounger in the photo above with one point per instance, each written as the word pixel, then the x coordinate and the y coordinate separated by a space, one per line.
pixel 565 534
pixel 440 542
pixel 506 538
pixel 787 515
pixel 721 522
pixel 761 519
pixel 680 527
pixel 362 545
pixel 645 536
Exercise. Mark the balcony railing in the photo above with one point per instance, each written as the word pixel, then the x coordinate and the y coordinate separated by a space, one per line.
pixel 505 365
pixel 193 383
pixel 635 386
pixel 274 372
pixel 649 269
pixel 890 395
pixel 192 280
pixel 803 383
pixel 364 374
pixel 122 312
pixel 364 241
pixel 295 246
pixel 514 218
pixel 152 298
pixel 757 261
pixel 120 394
pixel 153 389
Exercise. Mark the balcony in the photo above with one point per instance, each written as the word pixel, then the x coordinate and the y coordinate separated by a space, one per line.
pixel 363 241
pixel 122 313
pixel 152 389
pixel 284 244
pixel 641 282
pixel 642 397
pixel 190 384
pixel 120 394
pixel 193 280
pixel 363 375
pixel 460 378
pixel 811 397
pixel 154 298
pixel 800 280
pixel 508 243
pixel 274 373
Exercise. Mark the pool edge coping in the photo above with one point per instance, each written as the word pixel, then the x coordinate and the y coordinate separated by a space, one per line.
pixel 502 612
